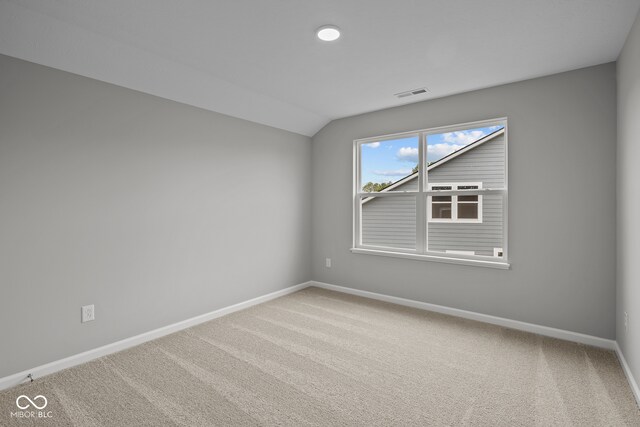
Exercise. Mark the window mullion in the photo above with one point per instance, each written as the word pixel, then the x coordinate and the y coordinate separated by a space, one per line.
pixel 421 203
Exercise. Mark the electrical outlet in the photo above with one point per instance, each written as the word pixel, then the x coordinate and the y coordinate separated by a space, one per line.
pixel 626 321
pixel 88 313
pixel 327 263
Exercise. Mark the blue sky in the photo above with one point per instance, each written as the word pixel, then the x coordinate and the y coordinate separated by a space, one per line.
pixel 391 160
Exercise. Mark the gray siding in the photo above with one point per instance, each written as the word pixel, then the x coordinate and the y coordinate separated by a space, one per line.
pixel 478 237
pixel 484 163
pixel 407 186
pixel 392 221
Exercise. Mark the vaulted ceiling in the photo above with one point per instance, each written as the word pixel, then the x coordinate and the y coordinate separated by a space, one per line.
pixel 260 60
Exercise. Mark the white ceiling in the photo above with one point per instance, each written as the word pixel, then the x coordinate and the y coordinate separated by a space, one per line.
pixel 259 59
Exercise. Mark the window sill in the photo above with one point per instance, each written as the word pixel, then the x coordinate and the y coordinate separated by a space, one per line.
pixel 445 259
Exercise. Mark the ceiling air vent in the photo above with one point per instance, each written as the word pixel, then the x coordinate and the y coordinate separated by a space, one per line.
pixel 412 92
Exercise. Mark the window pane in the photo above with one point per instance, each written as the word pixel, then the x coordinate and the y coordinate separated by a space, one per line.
pixel 441 210
pixel 389 221
pixel 468 210
pixel 479 237
pixel 482 161
pixel 389 165
pixel 442 198
pixel 441 187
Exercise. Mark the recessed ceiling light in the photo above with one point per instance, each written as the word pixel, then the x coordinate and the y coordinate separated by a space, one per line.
pixel 328 33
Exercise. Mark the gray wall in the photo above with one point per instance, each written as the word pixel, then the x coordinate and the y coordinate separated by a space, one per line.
pixel 628 277
pixel 562 132
pixel 152 210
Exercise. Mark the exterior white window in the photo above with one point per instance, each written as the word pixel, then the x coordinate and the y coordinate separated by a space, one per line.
pixel 460 208
pixel 435 194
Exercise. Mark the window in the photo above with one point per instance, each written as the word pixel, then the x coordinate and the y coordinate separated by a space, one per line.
pixel 434 194
pixel 455 208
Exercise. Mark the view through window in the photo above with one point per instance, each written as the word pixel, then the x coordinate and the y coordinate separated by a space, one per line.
pixel 434 192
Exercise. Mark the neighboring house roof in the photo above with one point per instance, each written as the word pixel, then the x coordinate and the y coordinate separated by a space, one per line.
pixel 469 147
pixel 442 161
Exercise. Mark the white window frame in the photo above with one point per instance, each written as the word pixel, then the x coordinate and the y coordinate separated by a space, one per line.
pixel 423 192
pixel 454 204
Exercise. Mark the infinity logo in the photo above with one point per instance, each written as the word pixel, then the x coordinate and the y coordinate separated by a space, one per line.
pixel 31 402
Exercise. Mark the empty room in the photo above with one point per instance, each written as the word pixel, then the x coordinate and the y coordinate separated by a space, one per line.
pixel 329 213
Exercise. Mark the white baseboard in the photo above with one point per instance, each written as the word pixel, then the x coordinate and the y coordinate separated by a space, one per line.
pixel 500 321
pixel 628 374
pixel 58 365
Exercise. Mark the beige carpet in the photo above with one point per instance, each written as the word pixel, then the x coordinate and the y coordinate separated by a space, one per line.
pixel 323 358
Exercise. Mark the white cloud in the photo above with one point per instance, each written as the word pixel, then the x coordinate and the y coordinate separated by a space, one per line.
pixel 437 151
pixel 397 172
pixel 373 145
pixel 407 154
pixel 492 128
pixel 464 137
